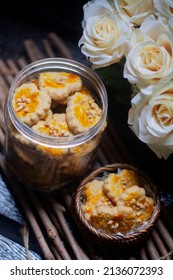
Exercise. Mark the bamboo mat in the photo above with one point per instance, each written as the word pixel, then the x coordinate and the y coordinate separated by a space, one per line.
pixel 51 215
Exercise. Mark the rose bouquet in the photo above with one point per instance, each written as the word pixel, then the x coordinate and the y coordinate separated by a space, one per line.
pixel 138 35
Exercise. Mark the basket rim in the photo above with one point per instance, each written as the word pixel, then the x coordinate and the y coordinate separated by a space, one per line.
pixel 138 232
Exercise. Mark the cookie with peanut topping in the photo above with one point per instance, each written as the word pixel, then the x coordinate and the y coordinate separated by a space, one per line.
pixel 132 194
pixel 113 219
pixel 116 183
pixel 129 177
pixel 121 206
pixel 54 126
pixel 59 85
pixel 114 186
pixel 142 205
pixel 94 196
pixel 30 104
pixel 121 212
pixel 83 91
pixel 82 112
pixel 144 208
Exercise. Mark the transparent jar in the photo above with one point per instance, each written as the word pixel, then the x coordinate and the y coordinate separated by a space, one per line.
pixel 45 162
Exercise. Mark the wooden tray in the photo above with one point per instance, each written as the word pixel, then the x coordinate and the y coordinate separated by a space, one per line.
pixel 51 215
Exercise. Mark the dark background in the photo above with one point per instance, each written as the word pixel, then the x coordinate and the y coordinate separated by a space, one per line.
pixel 33 20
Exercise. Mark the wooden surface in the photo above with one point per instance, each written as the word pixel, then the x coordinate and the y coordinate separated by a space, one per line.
pixel 44 224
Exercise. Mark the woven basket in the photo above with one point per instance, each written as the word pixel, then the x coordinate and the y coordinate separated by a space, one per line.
pixel 140 233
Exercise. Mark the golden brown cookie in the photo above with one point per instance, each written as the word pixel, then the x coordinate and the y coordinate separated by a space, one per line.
pixel 59 85
pixel 94 196
pixel 82 112
pixel 30 104
pixel 114 186
pixel 113 219
pixel 54 126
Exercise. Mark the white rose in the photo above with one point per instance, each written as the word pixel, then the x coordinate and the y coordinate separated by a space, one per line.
pixel 105 34
pixel 134 11
pixel 165 7
pixel 151 61
pixel 151 119
pixel 95 7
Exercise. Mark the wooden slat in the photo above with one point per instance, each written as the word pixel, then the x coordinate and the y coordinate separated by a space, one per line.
pixel 166 234
pixel 32 50
pixel 60 45
pixel 142 254
pixel 22 62
pixel 2 123
pixel 48 48
pixel 5 71
pixel 4 88
pixel 49 226
pixel 160 245
pixel 13 69
pixel 152 250
pixel 59 210
pixel 2 138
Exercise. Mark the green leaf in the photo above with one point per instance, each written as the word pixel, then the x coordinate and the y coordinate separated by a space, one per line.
pixel 115 83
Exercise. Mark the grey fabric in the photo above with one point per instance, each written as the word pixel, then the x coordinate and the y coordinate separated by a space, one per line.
pixel 9 250
pixel 8 206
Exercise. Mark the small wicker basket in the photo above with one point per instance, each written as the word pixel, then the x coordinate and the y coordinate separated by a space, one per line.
pixel 140 233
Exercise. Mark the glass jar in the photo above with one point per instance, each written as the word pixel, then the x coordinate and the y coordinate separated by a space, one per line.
pixel 45 162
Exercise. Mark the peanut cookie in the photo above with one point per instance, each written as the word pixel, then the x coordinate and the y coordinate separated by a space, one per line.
pixel 82 112
pixel 129 177
pixel 135 197
pixel 120 207
pixel 83 90
pixel 30 104
pixel 132 193
pixel 144 208
pixel 54 126
pixel 114 186
pixel 113 219
pixel 94 196
pixel 59 85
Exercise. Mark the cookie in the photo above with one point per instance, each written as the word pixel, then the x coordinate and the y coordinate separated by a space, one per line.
pixel 54 126
pixel 114 186
pixel 113 219
pixel 132 193
pixel 120 207
pixel 83 91
pixel 129 177
pixel 135 197
pixel 82 112
pixel 30 104
pixel 93 197
pixel 59 85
